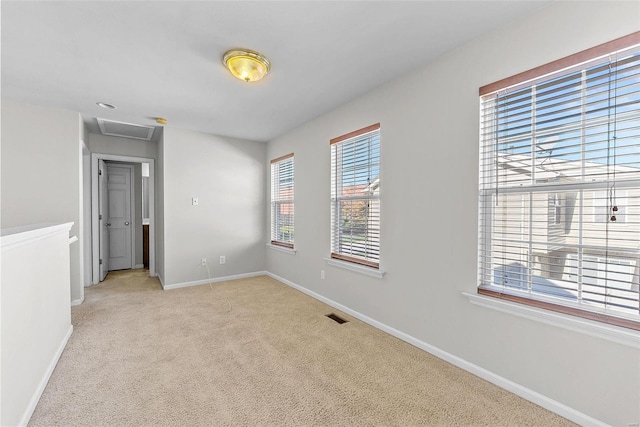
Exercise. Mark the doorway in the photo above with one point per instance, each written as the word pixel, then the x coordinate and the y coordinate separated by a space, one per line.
pixel 111 249
pixel 120 214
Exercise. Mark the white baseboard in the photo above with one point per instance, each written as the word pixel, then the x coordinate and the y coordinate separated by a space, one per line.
pixel 77 301
pixel 517 389
pixel 138 266
pixel 212 280
pixel 161 281
pixel 26 416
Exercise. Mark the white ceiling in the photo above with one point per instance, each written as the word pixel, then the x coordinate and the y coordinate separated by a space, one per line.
pixel 164 58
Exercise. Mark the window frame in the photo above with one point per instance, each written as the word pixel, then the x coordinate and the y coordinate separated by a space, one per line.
pixel 277 201
pixel 486 211
pixel 336 200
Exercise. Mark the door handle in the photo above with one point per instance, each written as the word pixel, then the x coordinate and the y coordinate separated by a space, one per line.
pixel 126 223
pixel 108 224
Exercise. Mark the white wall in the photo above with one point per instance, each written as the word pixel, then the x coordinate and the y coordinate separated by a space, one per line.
pixel 228 177
pixel 86 209
pixel 82 151
pixel 137 194
pixel 36 315
pixel 159 211
pixel 122 146
pixel 41 173
pixel 429 175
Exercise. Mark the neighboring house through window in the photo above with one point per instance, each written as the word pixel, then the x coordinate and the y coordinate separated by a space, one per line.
pixel 560 185
pixel 601 206
pixel 355 197
pixel 282 201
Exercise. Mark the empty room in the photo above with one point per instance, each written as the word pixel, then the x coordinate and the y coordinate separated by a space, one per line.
pixel 409 213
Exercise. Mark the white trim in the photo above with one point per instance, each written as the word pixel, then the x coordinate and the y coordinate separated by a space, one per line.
pixel 369 271
pixel 28 412
pixel 605 331
pixel 524 392
pixel 18 236
pixel 94 209
pixel 281 249
pixel 212 280
pixel 85 219
pixel 138 266
pixel 77 301
pixel 161 281
pixel 81 211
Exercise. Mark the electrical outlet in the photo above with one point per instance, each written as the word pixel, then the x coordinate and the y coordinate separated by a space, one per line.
pixel 203 261
pixel 322 274
pixel 223 259
pixel 194 201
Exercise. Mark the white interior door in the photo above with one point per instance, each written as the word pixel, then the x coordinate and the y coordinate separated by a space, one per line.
pixel 119 216
pixel 103 203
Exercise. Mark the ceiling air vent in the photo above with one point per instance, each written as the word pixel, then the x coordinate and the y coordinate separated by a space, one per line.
pixel 125 130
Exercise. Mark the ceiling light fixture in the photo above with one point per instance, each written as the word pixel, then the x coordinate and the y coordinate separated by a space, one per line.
pixel 246 64
pixel 161 120
pixel 105 105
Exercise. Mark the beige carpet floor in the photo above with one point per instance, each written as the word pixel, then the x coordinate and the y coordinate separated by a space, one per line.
pixel 253 352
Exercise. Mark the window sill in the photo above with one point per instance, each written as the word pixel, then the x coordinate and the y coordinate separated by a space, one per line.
pixel 369 271
pixel 281 249
pixel 612 333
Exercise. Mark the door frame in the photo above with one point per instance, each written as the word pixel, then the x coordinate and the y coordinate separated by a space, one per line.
pixel 103 233
pixel 95 223
pixel 132 207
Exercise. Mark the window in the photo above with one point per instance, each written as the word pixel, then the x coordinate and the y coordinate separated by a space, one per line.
pixel 560 185
pixel 555 206
pixel 282 205
pixel 355 196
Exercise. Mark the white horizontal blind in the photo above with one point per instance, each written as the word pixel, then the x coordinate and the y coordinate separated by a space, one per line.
pixel 560 188
pixel 355 197
pixel 282 201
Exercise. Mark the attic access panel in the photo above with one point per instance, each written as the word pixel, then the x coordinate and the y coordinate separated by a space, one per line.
pixel 125 130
